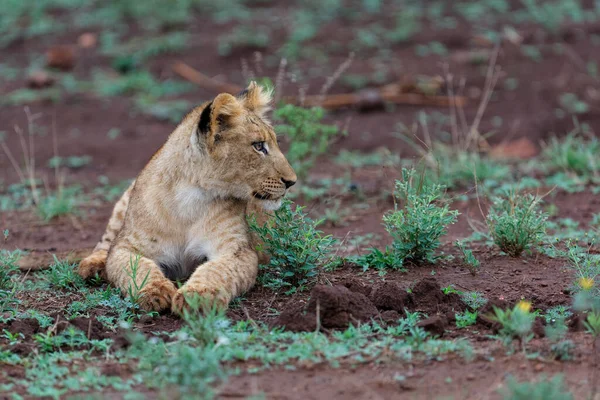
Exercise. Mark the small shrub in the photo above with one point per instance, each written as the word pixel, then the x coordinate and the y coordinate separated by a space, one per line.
pixel 296 248
pixel 308 137
pixel 416 228
pixel 516 223
pixel 469 259
pixel 552 389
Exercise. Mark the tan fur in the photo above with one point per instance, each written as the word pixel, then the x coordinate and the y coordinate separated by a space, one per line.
pixel 185 215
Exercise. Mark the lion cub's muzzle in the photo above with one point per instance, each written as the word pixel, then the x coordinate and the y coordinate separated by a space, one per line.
pixel 272 189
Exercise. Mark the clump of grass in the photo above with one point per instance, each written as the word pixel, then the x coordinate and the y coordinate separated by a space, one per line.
pixel 63 201
pixel 516 222
pixel 308 137
pixel 553 389
pixel 296 248
pixel 468 258
pixel 574 153
pixel 62 275
pixel 8 266
pixel 417 225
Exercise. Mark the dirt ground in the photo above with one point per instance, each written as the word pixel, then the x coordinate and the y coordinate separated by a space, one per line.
pixel 526 112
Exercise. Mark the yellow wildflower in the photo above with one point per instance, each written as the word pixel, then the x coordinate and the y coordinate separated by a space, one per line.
pixel 586 283
pixel 524 306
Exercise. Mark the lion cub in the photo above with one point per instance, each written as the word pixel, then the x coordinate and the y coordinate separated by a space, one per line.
pixel 184 217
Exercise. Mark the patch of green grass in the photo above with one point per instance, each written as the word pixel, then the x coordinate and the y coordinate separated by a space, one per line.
pixel 8 267
pixel 62 201
pixel 308 137
pixel 137 82
pixel 466 318
pixel 516 222
pixel 553 389
pixel 254 37
pixel 296 247
pixel 73 162
pixel 574 153
pixel 62 274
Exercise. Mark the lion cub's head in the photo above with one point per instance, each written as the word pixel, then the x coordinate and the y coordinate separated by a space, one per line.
pixel 242 146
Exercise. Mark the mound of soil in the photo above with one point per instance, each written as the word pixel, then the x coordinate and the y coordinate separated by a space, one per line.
pixel 353 302
pixel 335 306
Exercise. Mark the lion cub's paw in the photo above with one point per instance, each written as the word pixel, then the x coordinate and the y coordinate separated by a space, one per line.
pixel 198 299
pixel 92 265
pixel 157 295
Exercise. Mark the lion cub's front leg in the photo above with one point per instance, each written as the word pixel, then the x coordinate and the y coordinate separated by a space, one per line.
pixel 139 277
pixel 230 271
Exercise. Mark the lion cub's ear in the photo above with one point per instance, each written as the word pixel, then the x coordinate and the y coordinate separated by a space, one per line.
pixel 256 98
pixel 223 112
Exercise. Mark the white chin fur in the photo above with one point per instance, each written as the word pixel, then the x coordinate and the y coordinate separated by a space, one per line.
pixel 271 205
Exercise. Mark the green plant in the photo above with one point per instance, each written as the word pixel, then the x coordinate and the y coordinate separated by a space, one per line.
pixel 417 226
pixel 244 36
pixel 63 201
pixel 516 222
pixel 557 313
pixel 308 137
pixel 466 318
pixel 73 162
pixel 135 288
pixel 61 274
pixel 544 389
pixel 469 259
pixel 474 300
pixel 516 323
pixel 573 153
pixel 381 260
pixel 8 266
pixel 296 248
pixel 205 320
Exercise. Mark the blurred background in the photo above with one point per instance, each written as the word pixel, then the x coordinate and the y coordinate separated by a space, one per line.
pixel 90 89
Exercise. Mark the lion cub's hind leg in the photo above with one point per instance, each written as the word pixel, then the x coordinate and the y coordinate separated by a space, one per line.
pixel 95 264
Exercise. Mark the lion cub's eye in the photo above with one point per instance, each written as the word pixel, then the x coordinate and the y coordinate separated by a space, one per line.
pixel 260 147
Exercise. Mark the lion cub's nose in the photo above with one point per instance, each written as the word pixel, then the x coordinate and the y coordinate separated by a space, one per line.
pixel 288 184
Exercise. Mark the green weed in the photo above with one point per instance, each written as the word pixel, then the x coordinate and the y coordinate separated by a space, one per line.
pixel 516 222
